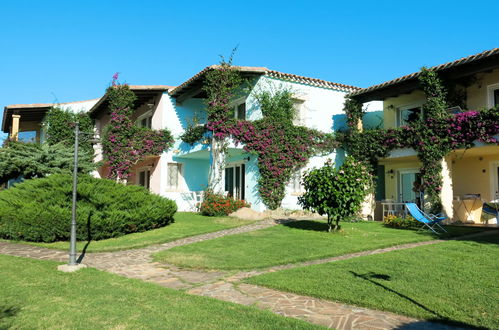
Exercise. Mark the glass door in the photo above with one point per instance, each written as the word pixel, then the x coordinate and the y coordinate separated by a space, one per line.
pixel 409 186
pixel 235 181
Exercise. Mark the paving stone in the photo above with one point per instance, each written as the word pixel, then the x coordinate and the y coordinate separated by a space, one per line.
pixel 138 264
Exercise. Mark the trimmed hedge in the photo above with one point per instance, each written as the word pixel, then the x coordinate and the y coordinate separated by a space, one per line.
pixel 40 209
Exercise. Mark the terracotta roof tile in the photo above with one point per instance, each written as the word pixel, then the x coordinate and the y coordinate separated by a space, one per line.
pixel 271 73
pixel 444 66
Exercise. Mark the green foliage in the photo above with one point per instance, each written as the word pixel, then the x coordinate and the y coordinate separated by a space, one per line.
pixel 220 86
pixel 220 205
pixel 436 104
pixel 124 144
pixel 354 113
pixel 433 137
pixel 337 193
pixel 193 134
pixel 58 125
pixel 31 160
pixel 277 106
pixel 40 209
pixel 400 222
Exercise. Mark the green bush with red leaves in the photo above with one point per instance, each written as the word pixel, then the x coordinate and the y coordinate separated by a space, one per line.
pixel 220 205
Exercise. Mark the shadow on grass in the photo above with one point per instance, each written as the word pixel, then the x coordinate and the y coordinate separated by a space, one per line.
pixel 307 225
pixel 438 318
pixel 89 239
pixel 7 313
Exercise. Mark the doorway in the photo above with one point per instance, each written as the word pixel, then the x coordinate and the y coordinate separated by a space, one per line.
pixel 409 181
pixel 235 181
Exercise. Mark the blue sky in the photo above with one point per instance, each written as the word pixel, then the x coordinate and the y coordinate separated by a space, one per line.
pixel 66 50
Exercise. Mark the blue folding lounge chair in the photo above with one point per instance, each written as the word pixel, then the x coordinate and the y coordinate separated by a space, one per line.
pixel 429 221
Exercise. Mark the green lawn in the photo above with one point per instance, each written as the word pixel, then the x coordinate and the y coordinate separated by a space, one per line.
pixel 34 295
pixel 454 281
pixel 293 242
pixel 186 224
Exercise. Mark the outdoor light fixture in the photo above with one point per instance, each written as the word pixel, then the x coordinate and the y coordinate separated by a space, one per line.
pixel 73 265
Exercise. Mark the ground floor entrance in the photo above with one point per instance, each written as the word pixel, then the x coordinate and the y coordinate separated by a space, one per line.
pixel 235 180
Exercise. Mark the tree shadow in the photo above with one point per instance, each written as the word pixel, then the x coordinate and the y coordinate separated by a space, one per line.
pixel 437 318
pixel 89 238
pixel 307 225
pixel 6 315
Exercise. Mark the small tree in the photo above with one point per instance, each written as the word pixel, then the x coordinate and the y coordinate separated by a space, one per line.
pixel 337 193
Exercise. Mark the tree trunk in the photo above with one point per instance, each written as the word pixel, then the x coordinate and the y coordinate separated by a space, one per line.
pixel 217 165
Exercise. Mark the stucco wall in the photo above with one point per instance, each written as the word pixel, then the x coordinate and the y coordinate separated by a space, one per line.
pixel 391 189
pixel 391 104
pixel 473 175
pixel 477 96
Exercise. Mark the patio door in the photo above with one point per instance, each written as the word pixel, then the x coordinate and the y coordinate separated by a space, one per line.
pixel 408 183
pixel 495 181
pixel 235 181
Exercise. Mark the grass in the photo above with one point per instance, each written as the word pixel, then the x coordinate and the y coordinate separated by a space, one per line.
pixel 290 243
pixel 452 282
pixel 186 224
pixel 35 295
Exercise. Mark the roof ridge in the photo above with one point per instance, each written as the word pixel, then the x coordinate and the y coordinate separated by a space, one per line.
pixel 438 67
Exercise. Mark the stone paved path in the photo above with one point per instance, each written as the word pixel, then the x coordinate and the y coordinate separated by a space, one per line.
pixel 226 285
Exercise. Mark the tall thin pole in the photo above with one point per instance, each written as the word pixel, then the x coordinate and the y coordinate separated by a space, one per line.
pixel 72 246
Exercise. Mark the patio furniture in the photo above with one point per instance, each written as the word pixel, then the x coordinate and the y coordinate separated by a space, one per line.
pixel 392 208
pixel 429 221
pixel 194 199
pixel 468 210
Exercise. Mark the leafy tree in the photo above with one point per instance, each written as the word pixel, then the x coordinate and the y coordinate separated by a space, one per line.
pixel 58 125
pixel 31 160
pixel 336 192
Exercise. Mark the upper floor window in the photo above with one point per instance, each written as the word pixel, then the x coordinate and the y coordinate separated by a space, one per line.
pixel 238 109
pixel 173 176
pixel 145 120
pixel 408 114
pixel 493 95
pixel 299 118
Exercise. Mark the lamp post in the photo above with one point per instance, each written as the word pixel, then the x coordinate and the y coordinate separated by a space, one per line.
pixel 72 243
pixel 73 265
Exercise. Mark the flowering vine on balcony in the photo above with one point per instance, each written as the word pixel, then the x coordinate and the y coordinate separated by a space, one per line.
pixel 124 144
pixel 281 147
pixel 433 137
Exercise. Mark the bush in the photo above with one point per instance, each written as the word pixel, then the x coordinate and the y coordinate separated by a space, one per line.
pixel 337 193
pixel 40 209
pixel 220 205
pixel 399 222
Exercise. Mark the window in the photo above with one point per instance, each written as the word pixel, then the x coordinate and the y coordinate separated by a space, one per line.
pixel 295 182
pixel 407 115
pixel 173 177
pixel 239 109
pixel 493 95
pixel 144 178
pixel 299 118
pixel 145 120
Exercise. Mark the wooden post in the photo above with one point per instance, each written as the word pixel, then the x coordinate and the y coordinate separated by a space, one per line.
pixel 14 131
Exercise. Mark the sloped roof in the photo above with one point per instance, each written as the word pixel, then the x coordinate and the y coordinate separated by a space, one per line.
pixel 491 55
pixel 143 92
pixel 31 112
pixel 182 88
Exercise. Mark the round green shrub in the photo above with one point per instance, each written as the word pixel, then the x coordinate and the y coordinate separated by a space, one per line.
pixel 40 209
